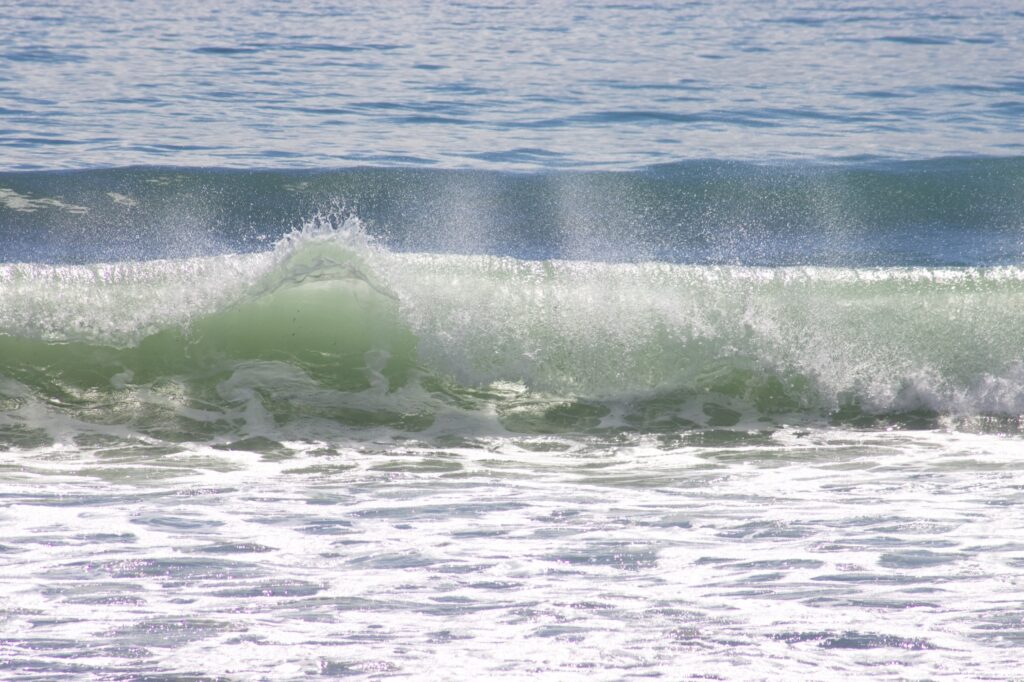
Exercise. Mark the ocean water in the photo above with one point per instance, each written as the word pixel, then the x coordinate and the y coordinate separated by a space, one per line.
pixel 472 341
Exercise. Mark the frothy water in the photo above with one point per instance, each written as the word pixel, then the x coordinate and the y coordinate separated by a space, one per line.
pixel 861 554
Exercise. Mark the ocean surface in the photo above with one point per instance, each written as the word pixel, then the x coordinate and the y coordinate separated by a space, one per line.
pixel 464 341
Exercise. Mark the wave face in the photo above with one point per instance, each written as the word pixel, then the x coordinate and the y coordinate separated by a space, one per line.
pixel 942 212
pixel 331 332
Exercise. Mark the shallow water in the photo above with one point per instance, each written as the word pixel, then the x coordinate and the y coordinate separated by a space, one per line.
pixel 456 341
pixel 889 555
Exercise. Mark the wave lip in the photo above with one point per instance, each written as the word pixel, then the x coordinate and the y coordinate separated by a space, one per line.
pixel 943 339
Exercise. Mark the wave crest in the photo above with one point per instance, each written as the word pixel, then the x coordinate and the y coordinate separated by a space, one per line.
pixel 410 336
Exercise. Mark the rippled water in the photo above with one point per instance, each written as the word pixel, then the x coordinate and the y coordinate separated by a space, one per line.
pixel 511 341
pixel 505 84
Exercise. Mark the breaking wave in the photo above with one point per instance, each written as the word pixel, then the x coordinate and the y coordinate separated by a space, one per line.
pixel 329 329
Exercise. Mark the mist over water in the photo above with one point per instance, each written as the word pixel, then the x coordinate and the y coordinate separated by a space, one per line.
pixel 463 341
pixel 955 211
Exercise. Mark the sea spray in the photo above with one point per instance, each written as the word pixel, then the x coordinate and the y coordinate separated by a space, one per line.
pixel 882 213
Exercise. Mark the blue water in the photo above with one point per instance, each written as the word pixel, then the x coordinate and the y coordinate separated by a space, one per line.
pixel 473 341
pixel 505 85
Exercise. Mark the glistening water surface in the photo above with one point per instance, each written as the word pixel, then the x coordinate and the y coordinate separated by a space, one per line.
pixel 511 84
pixel 465 341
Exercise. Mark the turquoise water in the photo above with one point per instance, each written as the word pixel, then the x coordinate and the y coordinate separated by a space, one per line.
pixel 466 341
